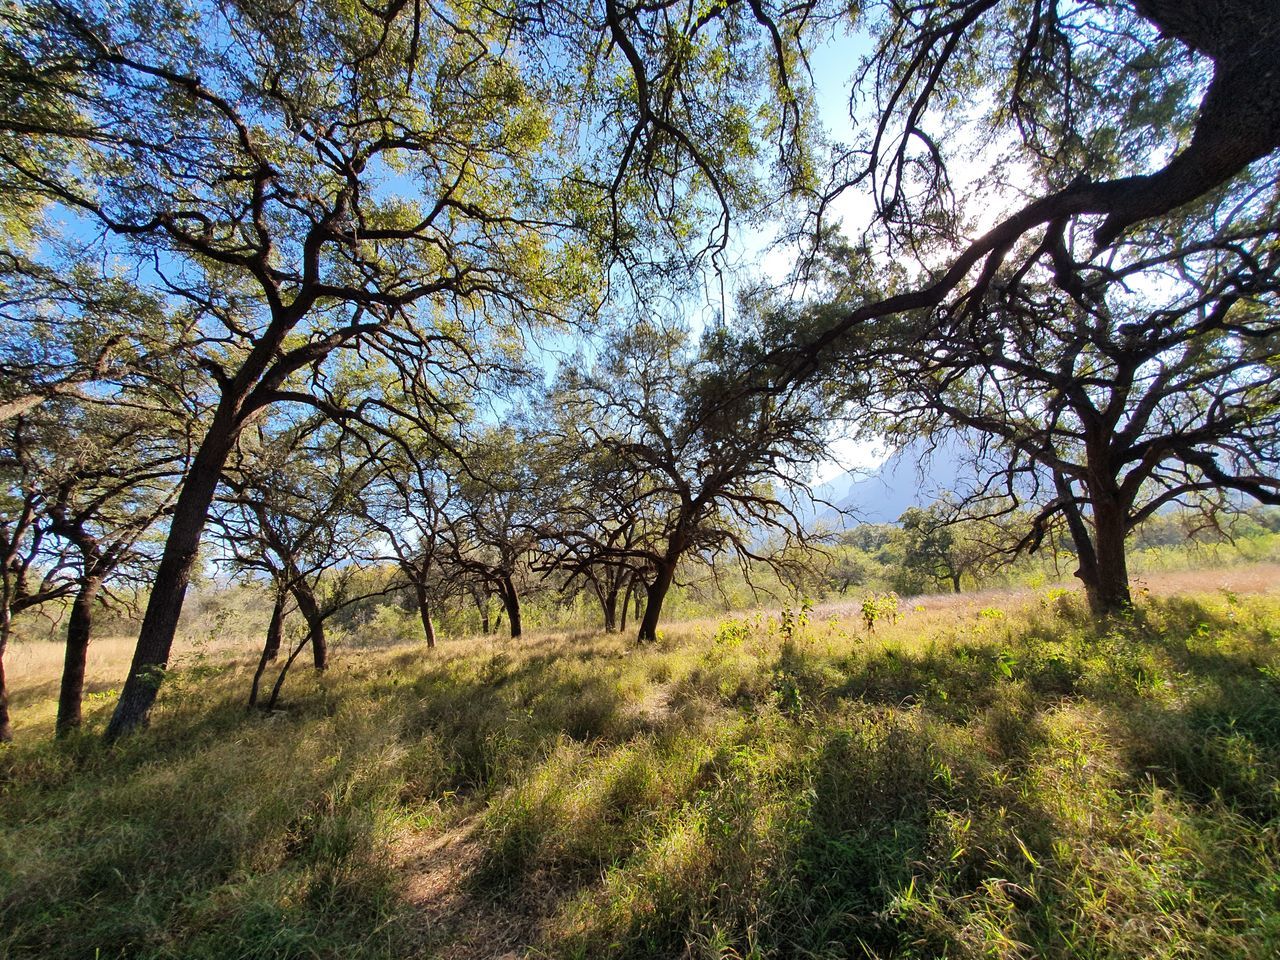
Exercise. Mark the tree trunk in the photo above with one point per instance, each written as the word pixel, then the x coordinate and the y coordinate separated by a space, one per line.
pixel 257 678
pixel 955 582
pixel 655 593
pixel 160 622
pixel 482 606
pixel 275 629
pixel 511 603
pixel 626 602
pixel 609 605
pixel 1108 589
pixel 424 611
pixel 271 647
pixel 6 623
pixel 79 629
pixel 315 623
pixel 284 671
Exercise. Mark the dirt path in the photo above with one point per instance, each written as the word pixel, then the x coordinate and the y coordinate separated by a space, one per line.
pixel 456 922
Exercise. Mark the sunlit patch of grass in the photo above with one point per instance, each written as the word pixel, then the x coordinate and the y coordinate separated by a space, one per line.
pixel 998 779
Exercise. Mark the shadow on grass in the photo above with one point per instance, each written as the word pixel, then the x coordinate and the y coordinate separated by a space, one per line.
pixel 1023 784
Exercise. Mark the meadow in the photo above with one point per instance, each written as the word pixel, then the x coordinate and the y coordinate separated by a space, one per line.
pixel 983 775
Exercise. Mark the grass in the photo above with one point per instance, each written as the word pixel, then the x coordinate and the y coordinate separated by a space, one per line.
pixel 988 777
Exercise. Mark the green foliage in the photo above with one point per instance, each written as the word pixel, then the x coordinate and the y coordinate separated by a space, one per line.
pixel 877 608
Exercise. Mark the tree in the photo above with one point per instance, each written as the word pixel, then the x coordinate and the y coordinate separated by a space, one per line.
pixel 1107 339
pixel 34 567
pixel 111 475
pixel 493 515
pixel 1152 383
pixel 405 501
pixel 333 176
pixel 291 511
pixel 595 523
pixel 941 544
pixel 708 475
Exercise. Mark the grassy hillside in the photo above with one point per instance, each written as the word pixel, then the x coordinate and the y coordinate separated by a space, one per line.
pixel 990 776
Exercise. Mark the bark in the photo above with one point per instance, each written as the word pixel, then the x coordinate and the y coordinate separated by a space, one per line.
pixel 6 729
pixel 160 623
pixel 315 624
pixel 609 606
pixel 1108 588
pixel 79 629
pixel 626 603
pixel 955 582
pixel 511 603
pixel 275 629
pixel 271 646
pixel 655 593
pixel 424 611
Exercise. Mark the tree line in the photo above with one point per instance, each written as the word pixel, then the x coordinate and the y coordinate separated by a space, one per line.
pixel 278 279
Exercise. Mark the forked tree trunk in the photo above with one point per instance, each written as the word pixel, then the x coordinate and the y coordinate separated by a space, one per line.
pixel 609 606
pixel 511 603
pixel 160 623
pixel 79 629
pixel 315 624
pixel 1103 567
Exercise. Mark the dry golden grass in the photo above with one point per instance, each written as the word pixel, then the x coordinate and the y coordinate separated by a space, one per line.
pixel 33 667
pixel 990 775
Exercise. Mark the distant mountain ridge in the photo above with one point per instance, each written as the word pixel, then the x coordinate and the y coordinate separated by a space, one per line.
pixel 913 476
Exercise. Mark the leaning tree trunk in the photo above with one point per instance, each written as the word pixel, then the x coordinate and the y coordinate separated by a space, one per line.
pixel 6 622
pixel 424 611
pixel 160 623
pixel 271 646
pixel 626 602
pixel 284 671
pixel 315 624
pixel 79 628
pixel 275 628
pixel 655 593
pixel 511 603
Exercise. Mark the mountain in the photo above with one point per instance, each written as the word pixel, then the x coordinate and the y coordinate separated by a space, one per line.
pixel 913 476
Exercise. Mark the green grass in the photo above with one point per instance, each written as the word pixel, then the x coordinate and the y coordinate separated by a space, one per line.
pixel 989 783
